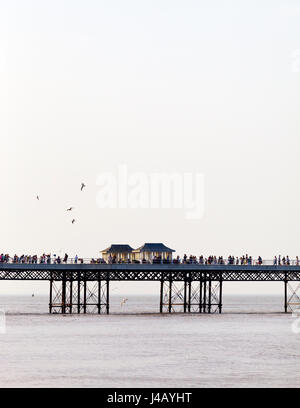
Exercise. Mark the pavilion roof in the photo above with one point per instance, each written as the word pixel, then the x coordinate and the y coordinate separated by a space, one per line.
pixel 153 247
pixel 117 248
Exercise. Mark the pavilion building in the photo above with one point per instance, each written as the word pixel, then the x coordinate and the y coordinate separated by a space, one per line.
pixel 120 253
pixel 149 252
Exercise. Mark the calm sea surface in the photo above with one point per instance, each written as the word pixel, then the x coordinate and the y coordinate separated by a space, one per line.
pixel 135 347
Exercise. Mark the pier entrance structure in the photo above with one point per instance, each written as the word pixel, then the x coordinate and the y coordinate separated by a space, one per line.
pixel 186 288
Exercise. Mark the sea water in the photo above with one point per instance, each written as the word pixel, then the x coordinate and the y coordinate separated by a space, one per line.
pixel 252 344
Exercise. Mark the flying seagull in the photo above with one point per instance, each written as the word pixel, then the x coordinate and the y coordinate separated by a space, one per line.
pixel 124 302
pixel 82 186
pixel 70 209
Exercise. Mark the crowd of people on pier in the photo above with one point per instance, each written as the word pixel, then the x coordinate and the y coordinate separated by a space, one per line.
pixel 284 260
pixel 35 259
pixel 213 260
pixel 192 259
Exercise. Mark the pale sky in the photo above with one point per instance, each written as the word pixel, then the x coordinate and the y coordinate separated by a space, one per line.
pixel 209 87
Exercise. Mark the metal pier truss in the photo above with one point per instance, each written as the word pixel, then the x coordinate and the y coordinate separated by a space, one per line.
pixel 184 288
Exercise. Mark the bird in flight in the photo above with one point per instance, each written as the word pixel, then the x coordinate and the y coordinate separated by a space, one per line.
pixel 70 209
pixel 124 301
pixel 73 221
pixel 82 186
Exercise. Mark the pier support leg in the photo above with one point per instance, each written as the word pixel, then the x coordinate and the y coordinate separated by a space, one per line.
pixel 292 296
pixel 71 297
pixel 195 296
pixel 185 297
pixel 64 294
pixel 200 296
pixel 107 297
pixel 78 295
pixel 190 296
pixel 161 309
pixel 211 293
pixel 51 296
pixel 58 296
pixel 209 296
pixel 99 296
pixel 172 296
pixel 204 294
pixel 221 295
pixel 285 295
pixel 84 296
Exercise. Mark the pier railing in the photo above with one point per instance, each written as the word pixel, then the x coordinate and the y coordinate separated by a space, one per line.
pixel 86 261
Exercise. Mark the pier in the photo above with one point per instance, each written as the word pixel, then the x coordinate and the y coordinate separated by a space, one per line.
pixel 184 288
